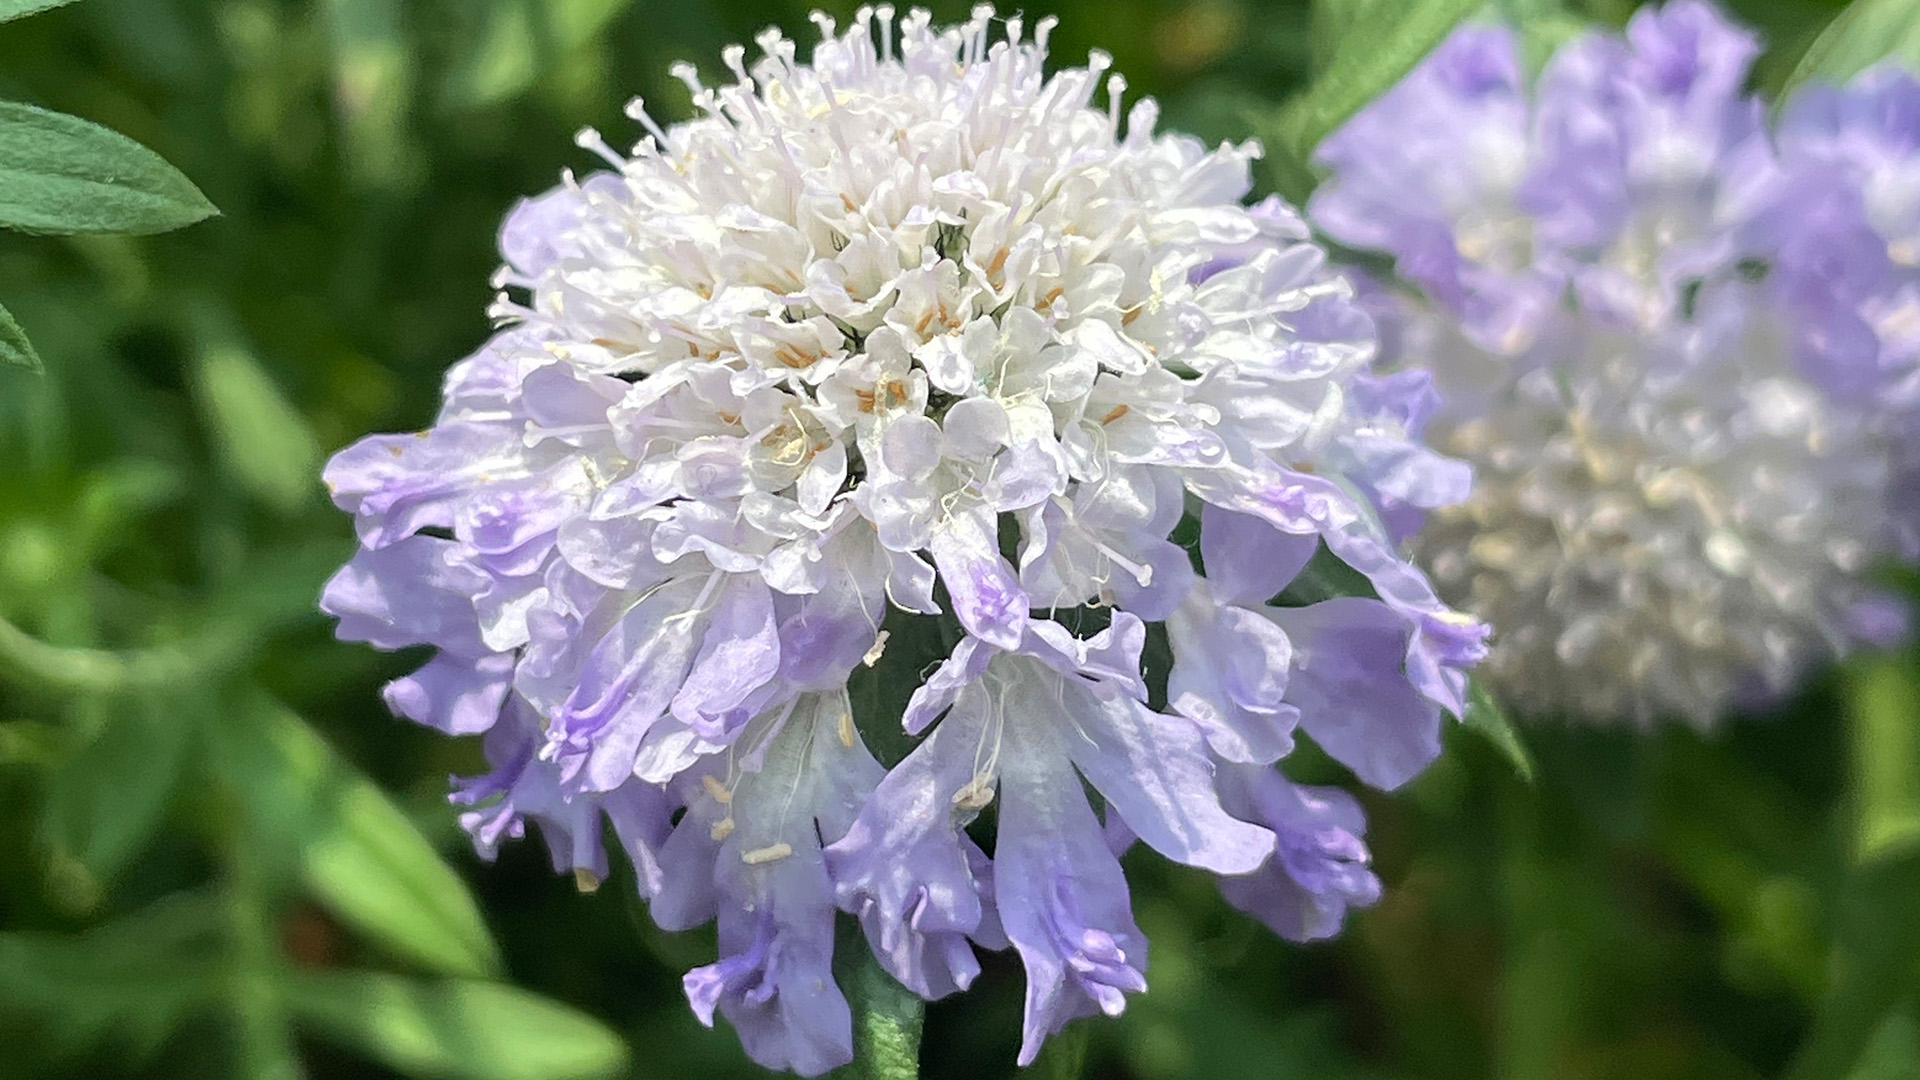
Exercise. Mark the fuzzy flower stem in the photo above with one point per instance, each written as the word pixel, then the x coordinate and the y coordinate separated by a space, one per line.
pixel 887 1021
pixel 28 660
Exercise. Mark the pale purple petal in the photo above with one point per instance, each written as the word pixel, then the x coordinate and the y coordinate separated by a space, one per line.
pixel 987 597
pixel 903 868
pixel 1229 677
pixel 453 694
pixel 407 593
pixel 1154 770
pixel 1320 867
pixel 740 652
pixel 968 660
pixel 1061 896
pixel 625 682
pixel 1248 560
pixel 1353 698
pixel 396 485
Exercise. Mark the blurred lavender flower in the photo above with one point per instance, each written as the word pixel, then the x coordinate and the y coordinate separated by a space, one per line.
pixel 913 335
pixel 1855 153
pixel 1655 340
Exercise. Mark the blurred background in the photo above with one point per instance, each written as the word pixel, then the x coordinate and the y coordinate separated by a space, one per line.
pixel 220 856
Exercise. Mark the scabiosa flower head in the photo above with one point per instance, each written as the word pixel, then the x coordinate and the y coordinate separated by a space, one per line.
pixel 1648 340
pixel 1857 149
pixel 913 341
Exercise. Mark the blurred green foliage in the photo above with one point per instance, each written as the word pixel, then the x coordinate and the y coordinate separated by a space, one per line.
pixel 219 856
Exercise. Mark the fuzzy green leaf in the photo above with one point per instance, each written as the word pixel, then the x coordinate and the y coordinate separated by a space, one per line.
pixel 264 442
pixel 1893 1053
pixel 15 349
pixel 1542 25
pixel 1486 718
pixel 518 40
pixel 1329 23
pixel 1378 42
pixel 134 979
pixel 61 174
pixel 1886 740
pixel 1876 964
pixel 1867 32
pixel 373 81
pixel 20 9
pixel 357 852
pixel 110 796
pixel 456 1029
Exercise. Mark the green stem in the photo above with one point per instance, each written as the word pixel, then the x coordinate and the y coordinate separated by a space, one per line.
pixel 1065 1055
pixel 887 1019
pixel 255 976
pixel 28 660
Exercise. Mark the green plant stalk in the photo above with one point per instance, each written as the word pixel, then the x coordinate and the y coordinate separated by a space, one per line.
pixel 27 660
pixel 1065 1055
pixel 264 1040
pixel 887 1019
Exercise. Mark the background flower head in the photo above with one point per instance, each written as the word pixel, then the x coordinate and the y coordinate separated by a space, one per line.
pixel 1650 333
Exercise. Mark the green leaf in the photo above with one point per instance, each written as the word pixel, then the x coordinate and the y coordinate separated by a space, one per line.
pixel 1894 1051
pixel 879 692
pixel 521 39
pixel 456 1029
pixel 376 871
pixel 573 23
pixel 114 496
pixel 357 853
pixel 31 744
pixel 1486 718
pixel 276 589
pixel 1876 964
pixel 887 1017
pixel 110 796
pixel 1867 32
pixel 501 60
pixel 1324 577
pixel 15 349
pixel 264 443
pixel 1329 24
pixel 1543 26
pixel 1886 754
pixel 135 978
pixel 1379 42
pixel 373 88
pixel 61 174
pixel 20 9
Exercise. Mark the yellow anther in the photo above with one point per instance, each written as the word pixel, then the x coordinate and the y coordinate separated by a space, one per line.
pixel 770 853
pixel 976 795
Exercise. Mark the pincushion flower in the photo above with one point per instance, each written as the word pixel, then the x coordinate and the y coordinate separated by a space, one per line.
pixel 913 340
pixel 1856 150
pixel 1646 332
